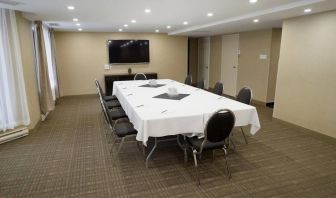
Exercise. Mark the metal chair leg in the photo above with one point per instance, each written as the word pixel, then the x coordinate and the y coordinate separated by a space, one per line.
pixel 226 162
pixel 197 173
pixel 242 131
pixel 120 145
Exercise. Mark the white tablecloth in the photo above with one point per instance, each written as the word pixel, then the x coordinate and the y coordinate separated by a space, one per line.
pixel 188 115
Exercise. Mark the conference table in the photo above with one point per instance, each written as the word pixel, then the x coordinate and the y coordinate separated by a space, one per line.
pixel 156 114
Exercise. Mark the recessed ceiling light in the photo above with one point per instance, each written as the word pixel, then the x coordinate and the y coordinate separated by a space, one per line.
pixel 168 26
pixel 307 10
pixel 185 23
pixel 253 1
pixel 75 19
pixel 78 24
pixel 80 29
pixel 125 25
pixel 120 30
pixel 157 31
pixel 147 10
pixel 210 14
pixel 71 7
pixel 133 21
pixel 255 20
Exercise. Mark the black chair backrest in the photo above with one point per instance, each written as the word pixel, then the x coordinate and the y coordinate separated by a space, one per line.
pixel 107 115
pixel 99 89
pixel 188 80
pixel 218 88
pixel 220 125
pixel 245 95
pixel 140 76
pixel 200 84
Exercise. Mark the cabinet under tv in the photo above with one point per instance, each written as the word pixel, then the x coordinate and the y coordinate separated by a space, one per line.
pixel 110 78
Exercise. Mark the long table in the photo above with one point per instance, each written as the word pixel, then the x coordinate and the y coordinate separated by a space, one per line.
pixel 158 117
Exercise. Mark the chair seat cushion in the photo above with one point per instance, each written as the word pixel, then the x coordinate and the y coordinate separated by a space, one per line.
pixel 117 114
pixel 196 143
pixel 123 129
pixel 108 98
pixel 112 104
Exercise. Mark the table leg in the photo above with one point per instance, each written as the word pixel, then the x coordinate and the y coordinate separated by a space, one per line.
pixel 152 151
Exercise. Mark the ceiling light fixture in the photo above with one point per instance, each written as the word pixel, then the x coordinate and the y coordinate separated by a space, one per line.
pixel 71 7
pixel 125 25
pixel 307 10
pixel 255 20
pixel 185 23
pixel 133 21
pixel 253 1
pixel 78 24
pixel 210 14
pixel 80 29
pixel 157 31
pixel 168 26
pixel 75 19
pixel 147 10
pixel 120 30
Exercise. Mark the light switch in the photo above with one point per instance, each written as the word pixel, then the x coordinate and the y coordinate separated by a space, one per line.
pixel 107 67
pixel 263 56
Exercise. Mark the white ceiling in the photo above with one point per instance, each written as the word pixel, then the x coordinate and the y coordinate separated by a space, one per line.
pixel 110 15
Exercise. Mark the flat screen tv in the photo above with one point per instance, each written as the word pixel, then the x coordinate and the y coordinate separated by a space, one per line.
pixel 128 51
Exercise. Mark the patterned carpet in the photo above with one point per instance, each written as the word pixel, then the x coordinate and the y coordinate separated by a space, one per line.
pixel 68 156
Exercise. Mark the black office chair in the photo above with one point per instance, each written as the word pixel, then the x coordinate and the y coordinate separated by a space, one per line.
pixel 218 89
pixel 244 96
pixel 200 84
pixel 120 127
pixel 140 76
pixel 100 92
pixel 217 130
pixel 111 103
pixel 188 80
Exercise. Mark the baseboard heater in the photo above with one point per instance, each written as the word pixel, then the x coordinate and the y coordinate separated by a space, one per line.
pixel 12 135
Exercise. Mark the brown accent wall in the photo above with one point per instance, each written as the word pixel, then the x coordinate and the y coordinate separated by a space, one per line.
pixel 252 71
pixel 193 58
pixel 81 57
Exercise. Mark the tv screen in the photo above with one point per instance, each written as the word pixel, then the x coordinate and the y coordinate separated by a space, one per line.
pixel 128 51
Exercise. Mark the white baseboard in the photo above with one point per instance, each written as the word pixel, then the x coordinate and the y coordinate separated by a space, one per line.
pixel 9 136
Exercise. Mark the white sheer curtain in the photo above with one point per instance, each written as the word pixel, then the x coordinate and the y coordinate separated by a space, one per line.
pixel 13 100
pixel 51 66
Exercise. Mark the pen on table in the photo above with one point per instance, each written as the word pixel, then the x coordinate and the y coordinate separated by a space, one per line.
pixel 140 106
pixel 130 94
pixel 220 97
pixel 164 111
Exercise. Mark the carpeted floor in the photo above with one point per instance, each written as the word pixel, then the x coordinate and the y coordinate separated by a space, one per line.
pixel 68 156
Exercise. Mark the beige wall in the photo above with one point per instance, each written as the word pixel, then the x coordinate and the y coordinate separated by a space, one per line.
pixel 305 91
pixel 193 58
pixel 252 71
pixel 274 61
pixel 215 60
pixel 27 53
pixel 81 56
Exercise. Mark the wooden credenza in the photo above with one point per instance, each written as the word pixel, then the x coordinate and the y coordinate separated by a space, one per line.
pixel 109 79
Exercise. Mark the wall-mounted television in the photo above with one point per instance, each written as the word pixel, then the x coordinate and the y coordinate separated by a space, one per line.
pixel 128 51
